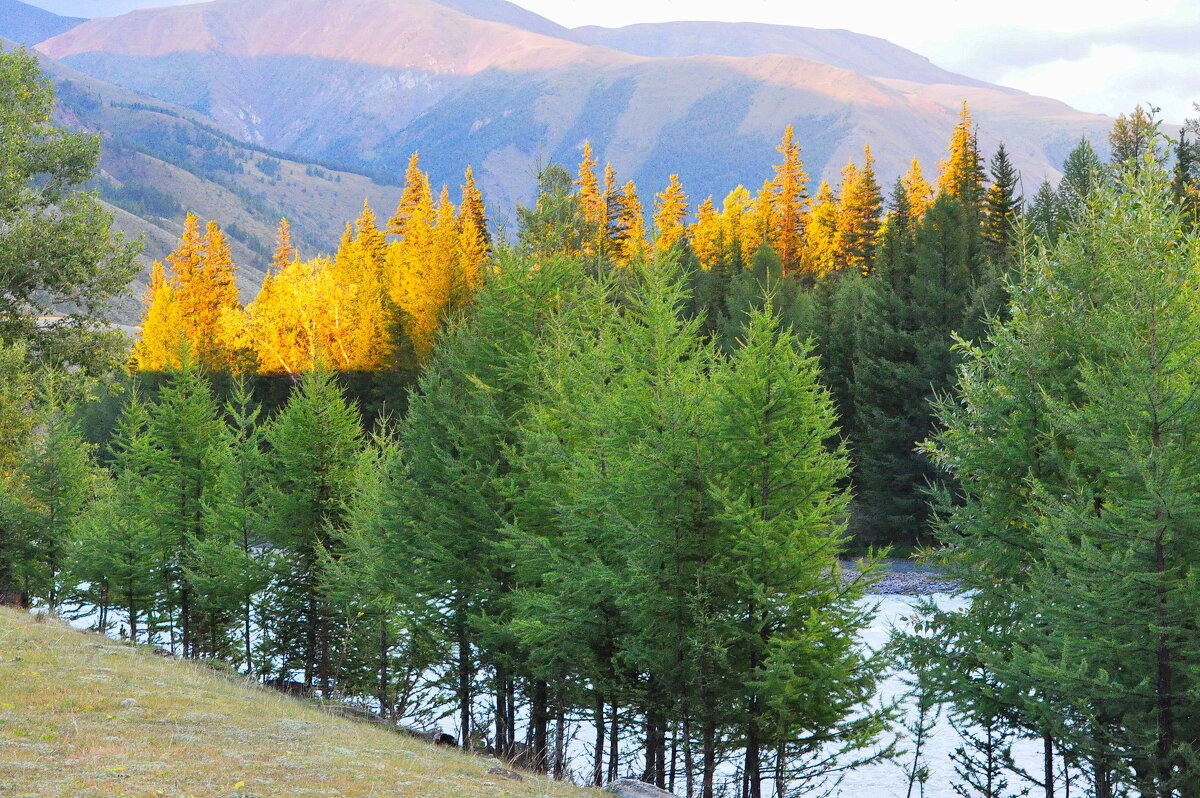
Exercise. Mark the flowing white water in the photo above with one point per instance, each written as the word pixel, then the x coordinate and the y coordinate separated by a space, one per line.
pixel 888 780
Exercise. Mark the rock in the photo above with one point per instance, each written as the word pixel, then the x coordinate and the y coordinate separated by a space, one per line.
pixel 435 737
pixel 505 773
pixel 632 788
pixel 127 703
pixel 288 687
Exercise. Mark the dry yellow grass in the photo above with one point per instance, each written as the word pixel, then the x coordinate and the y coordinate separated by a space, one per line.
pixel 68 728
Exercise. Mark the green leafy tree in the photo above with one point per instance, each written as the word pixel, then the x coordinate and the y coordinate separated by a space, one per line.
pixel 59 263
pixel 1071 437
pixel 1083 173
pixel 784 507
pixel 49 490
pixel 1001 208
pixel 117 560
pixel 314 445
pixel 912 308
pixel 186 436
pixel 449 502
pixel 232 566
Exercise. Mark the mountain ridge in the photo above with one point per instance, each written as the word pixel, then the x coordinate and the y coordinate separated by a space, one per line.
pixel 23 23
pixel 368 82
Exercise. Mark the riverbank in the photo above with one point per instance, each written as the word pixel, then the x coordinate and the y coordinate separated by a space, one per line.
pixel 906 578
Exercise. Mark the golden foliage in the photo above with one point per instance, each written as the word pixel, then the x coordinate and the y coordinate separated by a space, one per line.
pixel 670 214
pixel 186 308
pixel 362 310
pixel 788 203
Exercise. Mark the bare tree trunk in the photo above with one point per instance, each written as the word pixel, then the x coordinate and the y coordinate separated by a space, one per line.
pixel 539 720
pixel 598 753
pixel 688 764
pixel 464 683
pixel 1048 754
pixel 385 708
pixel 560 733
pixel 503 748
pixel 614 745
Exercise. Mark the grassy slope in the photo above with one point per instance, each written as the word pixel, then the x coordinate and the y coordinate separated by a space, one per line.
pixel 196 732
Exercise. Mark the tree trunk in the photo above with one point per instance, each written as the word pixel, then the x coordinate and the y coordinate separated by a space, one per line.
pixel 310 643
pixel 614 746
pixel 709 755
pixel 464 682
pixel 185 609
pixel 324 629
pixel 560 732
pixel 1048 754
pixel 539 720
pixel 502 745
pixel 598 753
pixel 753 752
pixel 688 764
pixel 384 707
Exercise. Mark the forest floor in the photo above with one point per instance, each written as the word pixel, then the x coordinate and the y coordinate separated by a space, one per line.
pixel 82 715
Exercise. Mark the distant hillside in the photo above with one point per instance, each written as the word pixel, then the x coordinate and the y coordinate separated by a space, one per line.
pixel 367 82
pixel 159 161
pixel 81 714
pixel 868 55
pixel 25 24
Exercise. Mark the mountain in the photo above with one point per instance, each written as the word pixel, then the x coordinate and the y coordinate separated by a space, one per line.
pixel 26 24
pixel 159 161
pixel 367 82
pixel 868 55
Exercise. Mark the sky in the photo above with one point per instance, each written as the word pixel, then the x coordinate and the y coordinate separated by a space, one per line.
pixel 1100 57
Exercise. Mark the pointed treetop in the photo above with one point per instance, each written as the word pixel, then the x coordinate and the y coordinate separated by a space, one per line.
pixel 416 197
pixel 671 207
pixel 917 191
pixel 285 252
pixel 962 171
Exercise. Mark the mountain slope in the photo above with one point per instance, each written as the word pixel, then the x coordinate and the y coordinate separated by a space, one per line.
pixel 160 161
pixel 868 55
pixel 81 714
pixel 367 82
pixel 26 24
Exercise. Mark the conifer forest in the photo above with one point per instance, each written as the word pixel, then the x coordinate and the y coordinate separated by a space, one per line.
pixel 603 491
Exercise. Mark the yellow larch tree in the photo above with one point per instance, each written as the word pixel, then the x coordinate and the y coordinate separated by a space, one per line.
pixel 369 237
pixel 418 281
pixel 202 287
pixel 159 346
pixel 416 196
pixel 789 202
pixel 744 223
pixel 706 234
pixel 366 322
pixel 592 213
pixel 962 172
pixel 821 234
pixel 627 234
pixel 670 215
pixel 474 243
pixel 858 216
pixel 285 251
pixel 300 321
pixel 917 191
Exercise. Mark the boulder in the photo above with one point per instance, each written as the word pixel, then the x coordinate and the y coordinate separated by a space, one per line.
pixel 632 788
pixel 505 773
